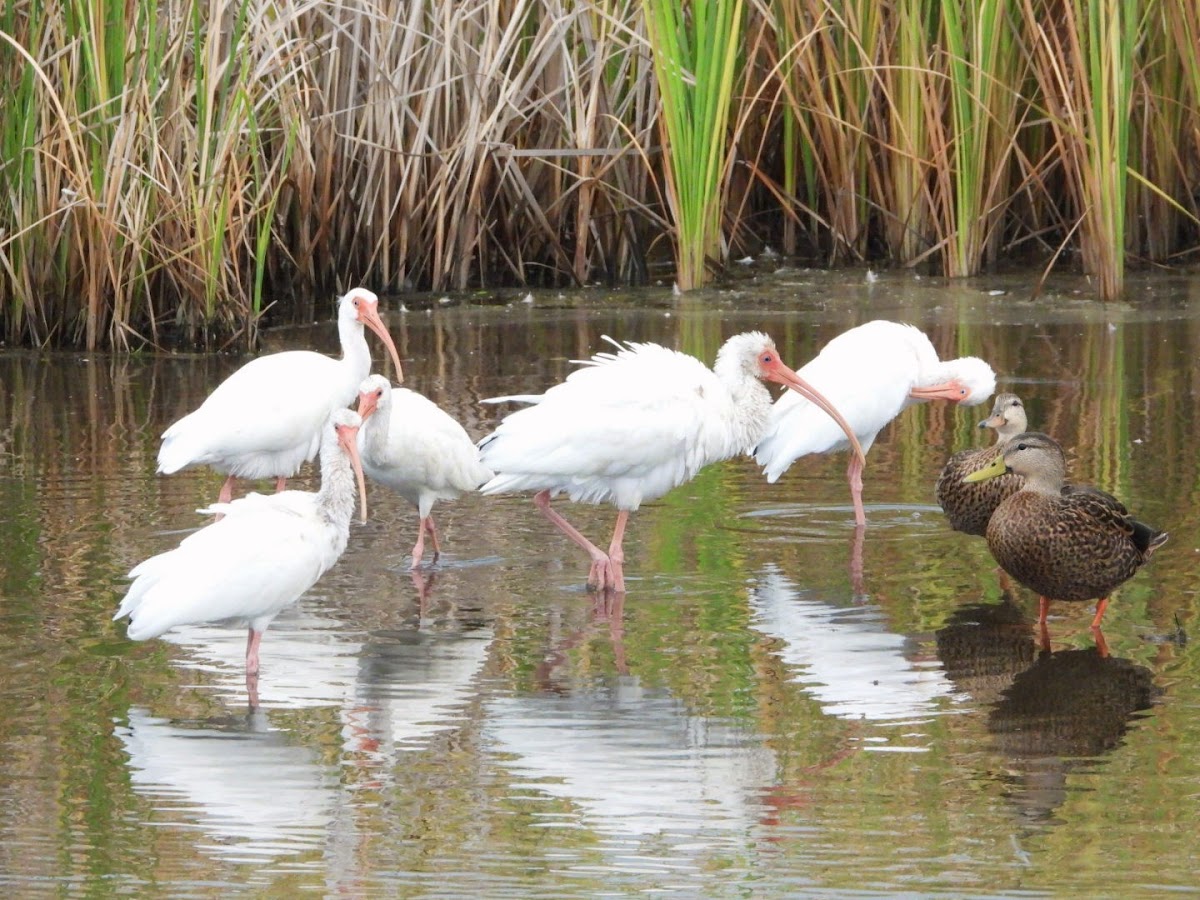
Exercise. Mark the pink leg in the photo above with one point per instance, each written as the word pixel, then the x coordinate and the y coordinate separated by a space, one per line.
pixel 281 483
pixel 437 547
pixel 854 476
pixel 1100 608
pixel 597 576
pixel 253 639
pixel 418 549
pixel 616 554
pixel 1101 643
pixel 1043 608
pixel 225 496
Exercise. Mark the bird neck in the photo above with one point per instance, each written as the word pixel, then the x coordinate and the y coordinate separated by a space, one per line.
pixel 356 355
pixel 374 432
pixel 751 411
pixel 335 499
pixel 1044 482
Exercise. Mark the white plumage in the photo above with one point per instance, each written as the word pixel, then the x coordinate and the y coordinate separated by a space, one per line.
pixel 259 557
pixel 265 420
pixel 630 425
pixel 870 373
pixel 411 446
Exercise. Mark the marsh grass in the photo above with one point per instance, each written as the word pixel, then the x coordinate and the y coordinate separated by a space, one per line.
pixel 172 170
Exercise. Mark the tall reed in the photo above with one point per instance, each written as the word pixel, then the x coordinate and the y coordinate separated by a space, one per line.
pixel 1084 60
pixel 696 49
pixel 985 70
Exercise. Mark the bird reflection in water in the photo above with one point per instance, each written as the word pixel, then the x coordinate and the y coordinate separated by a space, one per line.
pixel 1049 712
pixel 608 611
pixel 1069 706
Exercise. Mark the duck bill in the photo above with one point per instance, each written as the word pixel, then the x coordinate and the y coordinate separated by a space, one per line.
pixel 370 318
pixel 994 469
pixel 946 390
pixel 989 422
pixel 348 438
pixel 781 374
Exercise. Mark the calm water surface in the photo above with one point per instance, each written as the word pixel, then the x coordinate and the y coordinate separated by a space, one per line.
pixel 755 720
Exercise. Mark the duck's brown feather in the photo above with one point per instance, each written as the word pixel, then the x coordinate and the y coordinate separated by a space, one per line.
pixel 968 507
pixel 1078 545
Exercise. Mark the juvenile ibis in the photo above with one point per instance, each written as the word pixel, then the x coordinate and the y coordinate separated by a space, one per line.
pixel 264 552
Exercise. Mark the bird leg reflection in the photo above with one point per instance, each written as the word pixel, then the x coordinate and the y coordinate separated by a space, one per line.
pixel 252 690
pixel 604 575
pixel 857 585
pixel 424 585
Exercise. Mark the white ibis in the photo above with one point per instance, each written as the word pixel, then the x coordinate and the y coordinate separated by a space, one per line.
pixel 259 557
pixel 410 445
pixel 870 373
pixel 265 420
pixel 633 424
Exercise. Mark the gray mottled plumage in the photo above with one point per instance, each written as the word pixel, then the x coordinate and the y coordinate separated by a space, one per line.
pixel 1074 544
pixel 968 506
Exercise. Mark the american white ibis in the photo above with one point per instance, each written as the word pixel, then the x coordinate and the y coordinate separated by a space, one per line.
pixel 870 373
pixel 630 425
pixel 265 420
pixel 259 557
pixel 410 445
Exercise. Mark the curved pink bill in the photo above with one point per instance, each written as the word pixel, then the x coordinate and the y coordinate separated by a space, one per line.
pixel 781 374
pixel 368 314
pixel 348 438
pixel 953 391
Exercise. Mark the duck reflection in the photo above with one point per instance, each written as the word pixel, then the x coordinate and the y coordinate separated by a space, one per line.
pixel 984 645
pixel 845 656
pixel 1069 706
pixel 254 794
pixel 1047 712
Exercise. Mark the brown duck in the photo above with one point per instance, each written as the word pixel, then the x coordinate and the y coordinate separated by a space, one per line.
pixel 969 506
pixel 1073 544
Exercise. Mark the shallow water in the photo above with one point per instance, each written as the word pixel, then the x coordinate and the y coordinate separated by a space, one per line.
pixel 754 720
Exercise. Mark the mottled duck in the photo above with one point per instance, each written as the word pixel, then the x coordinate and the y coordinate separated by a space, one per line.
pixel 969 506
pixel 1078 544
